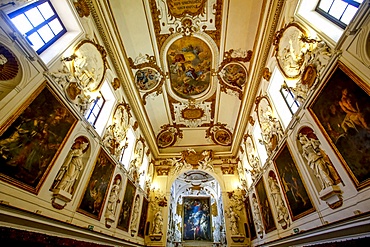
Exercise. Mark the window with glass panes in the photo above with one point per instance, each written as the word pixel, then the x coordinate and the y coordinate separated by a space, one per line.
pixel 289 99
pixel 39 24
pixel 96 107
pixel 339 12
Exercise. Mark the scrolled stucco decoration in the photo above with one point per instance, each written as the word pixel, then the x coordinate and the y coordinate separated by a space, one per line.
pixel 219 134
pixel 143 66
pixel 232 73
pixel 290 49
pixel 272 132
pixel 115 136
pixel 82 8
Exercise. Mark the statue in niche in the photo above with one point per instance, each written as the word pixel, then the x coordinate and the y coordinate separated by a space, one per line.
pixel 135 214
pixel 73 165
pixel 158 222
pixel 113 199
pixel 234 221
pixel 312 152
pixel 282 211
pixel 257 216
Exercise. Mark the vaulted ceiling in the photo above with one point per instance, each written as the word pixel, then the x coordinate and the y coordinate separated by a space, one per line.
pixel 190 68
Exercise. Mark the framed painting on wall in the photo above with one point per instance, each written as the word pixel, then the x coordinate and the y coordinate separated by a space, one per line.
pixel 342 110
pixel 299 202
pixel 92 202
pixel 128 200
pixel 144 214
pixel 196 219
pixel 32 138
pixel 267 217
pixel 251 233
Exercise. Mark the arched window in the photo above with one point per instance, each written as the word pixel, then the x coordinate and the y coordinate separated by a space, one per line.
pixel 100 109
pixel 126 155
pixel 143 170
pixel 283 99
pixel 261 149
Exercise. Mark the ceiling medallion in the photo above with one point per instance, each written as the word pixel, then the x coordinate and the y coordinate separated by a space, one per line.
pixel 89 63
pixel 149 78
pixel 232 73
pixel 168 135
pixel 179 8
pixel 219 134
pixel 290 49
pixel 8 64
pixel 189 61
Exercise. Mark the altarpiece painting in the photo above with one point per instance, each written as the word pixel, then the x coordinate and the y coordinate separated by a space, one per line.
pixel 342 110
pixel 267 217
pixel 96 189
pixel 299 202
pixel 128 200
pixel 32 138
pixel 197 219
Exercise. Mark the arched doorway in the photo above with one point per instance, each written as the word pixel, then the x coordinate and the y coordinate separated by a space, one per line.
pixel 196 209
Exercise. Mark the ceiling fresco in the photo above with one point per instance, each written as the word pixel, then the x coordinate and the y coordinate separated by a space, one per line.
pixel 192 69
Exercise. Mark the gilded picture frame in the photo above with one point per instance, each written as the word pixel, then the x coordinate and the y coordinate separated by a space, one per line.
pixel 342 111
pixel 265 207
pixel 196 218
pixel 126 209
pixel 31 140
pixel 96 189
pixel 143 218
pixel 298 200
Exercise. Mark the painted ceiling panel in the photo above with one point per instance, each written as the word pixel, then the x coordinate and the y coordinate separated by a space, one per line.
pixel 190 62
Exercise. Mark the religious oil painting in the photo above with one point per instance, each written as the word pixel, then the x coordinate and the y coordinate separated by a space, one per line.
pixel 197 219
pixel 32 138
pixel 144 214
pixel 235 75
pixel 267 218
pixel 189 63
pixel 128 200
pixel 146 79
pixel 251 229
pixel 299 202
pixel 96 190
pixel 342 110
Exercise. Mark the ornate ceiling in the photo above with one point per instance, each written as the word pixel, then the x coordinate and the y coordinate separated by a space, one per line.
pixel 190 68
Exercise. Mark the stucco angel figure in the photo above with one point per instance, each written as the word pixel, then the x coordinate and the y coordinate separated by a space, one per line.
pixel 206 163
pixel 312 153
pixel 135 214
pixel 278 200
pixel 73 165
pixel 234 221
pixel 157 222
pixel 257 216
pixel 113 199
